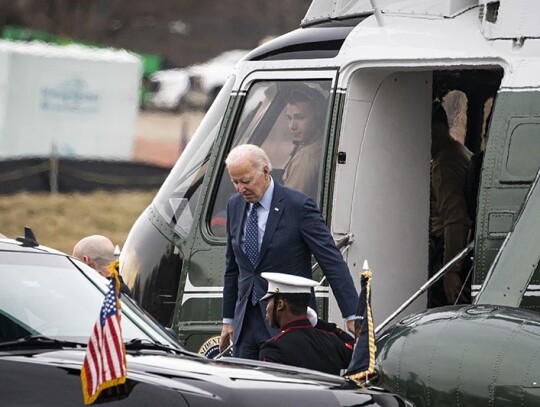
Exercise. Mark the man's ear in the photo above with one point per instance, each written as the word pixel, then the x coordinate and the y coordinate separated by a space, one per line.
pixel 281 304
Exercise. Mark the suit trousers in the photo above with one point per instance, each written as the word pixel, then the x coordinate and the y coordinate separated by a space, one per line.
pixel 254 334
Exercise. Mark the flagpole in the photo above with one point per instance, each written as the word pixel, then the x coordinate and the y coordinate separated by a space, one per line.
pixel 228 348
pixel 362 363
pixel 426 286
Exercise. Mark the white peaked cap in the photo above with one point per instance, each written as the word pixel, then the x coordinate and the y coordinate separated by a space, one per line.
pixel 287 284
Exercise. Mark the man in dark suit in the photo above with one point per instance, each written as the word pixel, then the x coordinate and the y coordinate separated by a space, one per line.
pixel 271 228
pixel 324 347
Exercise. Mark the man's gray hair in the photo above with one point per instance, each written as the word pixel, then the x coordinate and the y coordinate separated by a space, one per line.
pixel 256 156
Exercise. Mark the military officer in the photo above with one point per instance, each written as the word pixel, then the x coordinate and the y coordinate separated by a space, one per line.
pixel 324 347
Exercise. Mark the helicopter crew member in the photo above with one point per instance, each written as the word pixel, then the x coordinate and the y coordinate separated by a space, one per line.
pixel 271 227
pixel 299 343
pixel 305 113
pixel 449 220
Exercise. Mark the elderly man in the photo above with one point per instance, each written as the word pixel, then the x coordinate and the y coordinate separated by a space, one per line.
pixel 271 228
pixel 97 251
pixel 325 347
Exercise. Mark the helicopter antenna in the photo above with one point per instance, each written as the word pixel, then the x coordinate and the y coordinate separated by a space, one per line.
pixel 378 13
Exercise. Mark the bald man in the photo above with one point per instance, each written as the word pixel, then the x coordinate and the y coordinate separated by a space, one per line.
pixel 97 251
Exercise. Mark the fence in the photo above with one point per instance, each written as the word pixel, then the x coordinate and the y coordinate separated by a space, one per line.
pixel 70 175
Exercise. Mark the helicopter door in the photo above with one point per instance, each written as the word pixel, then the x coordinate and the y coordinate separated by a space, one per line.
pixel 382 189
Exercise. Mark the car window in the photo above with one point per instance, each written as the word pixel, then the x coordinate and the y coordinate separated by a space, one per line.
pixel 47 295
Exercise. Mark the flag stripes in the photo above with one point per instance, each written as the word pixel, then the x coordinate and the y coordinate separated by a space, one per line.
pixel 104 365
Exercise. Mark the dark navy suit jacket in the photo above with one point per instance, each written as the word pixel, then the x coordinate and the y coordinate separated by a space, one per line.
pixel 294 230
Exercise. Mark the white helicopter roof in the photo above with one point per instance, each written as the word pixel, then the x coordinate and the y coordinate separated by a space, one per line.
pixel 430 8
pixel 500 19
pixel 321 10
pixel 405 38
pixel 408 40
pixel 453 34
pixel 510 18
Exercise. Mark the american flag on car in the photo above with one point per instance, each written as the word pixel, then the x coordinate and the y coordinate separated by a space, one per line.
pixel 105 361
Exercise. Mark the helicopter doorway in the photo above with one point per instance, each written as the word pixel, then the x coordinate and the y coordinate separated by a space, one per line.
pixel 386 136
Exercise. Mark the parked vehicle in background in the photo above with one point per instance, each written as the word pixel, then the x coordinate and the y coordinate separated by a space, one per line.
pixel 192 88
pixel 166 89
pixel 207 79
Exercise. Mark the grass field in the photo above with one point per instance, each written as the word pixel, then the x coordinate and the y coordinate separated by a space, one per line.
pixel 59 220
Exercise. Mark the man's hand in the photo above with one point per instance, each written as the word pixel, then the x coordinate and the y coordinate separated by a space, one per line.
pixel 452 286
pixel 226 337
pixel 350 326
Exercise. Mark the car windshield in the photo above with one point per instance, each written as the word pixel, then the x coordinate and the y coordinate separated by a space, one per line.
pixel 47 295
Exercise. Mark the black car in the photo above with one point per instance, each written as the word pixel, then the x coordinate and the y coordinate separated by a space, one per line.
pixel 49 303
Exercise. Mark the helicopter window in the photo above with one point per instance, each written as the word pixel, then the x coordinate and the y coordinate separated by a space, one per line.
pixel 522 159
pixel 178 197
pixel 288 120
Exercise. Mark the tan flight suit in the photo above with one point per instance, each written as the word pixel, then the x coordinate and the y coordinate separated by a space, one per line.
pixel 303 169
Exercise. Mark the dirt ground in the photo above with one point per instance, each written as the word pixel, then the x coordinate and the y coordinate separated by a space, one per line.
pixel 161 136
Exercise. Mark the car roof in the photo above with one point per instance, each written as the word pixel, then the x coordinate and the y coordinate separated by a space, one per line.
pixel 12 245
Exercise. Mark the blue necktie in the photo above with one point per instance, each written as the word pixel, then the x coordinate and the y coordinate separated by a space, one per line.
pixel 251 243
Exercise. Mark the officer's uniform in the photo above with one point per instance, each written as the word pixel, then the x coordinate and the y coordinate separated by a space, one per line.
pixel 325 347
pixel 300 344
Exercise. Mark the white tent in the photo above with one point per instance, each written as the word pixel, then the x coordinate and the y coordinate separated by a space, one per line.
pixel 81 102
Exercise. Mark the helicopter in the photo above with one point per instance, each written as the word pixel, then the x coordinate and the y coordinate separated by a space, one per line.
pixel 379 65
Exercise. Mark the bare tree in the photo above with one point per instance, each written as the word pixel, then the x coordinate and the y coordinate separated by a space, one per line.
pixel 184 31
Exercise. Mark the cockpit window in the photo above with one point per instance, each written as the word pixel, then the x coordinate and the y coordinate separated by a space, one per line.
pixel 288 120
pixel 177 199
